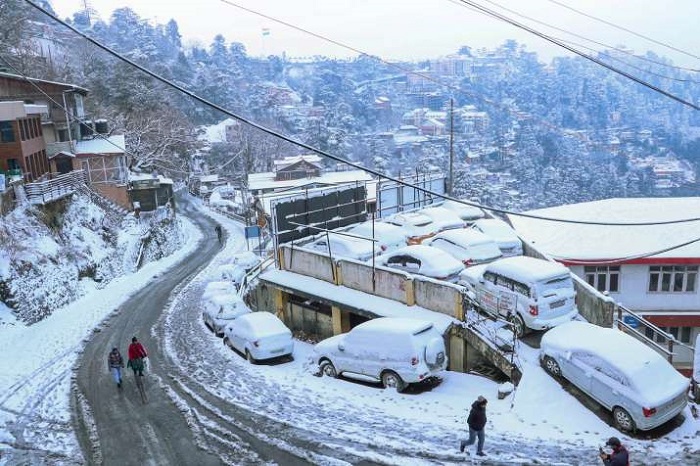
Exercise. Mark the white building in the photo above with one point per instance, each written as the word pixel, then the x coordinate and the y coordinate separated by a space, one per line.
pixel 650 269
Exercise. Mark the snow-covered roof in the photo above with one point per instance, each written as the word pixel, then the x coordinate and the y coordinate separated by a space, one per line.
pixel 264 324
pixel 102 145
pixel 497 229
pixel 149 176
pixel 463 237
pixel 266 180
pixel 291 160
pixel 356 299
pixel 527 269
pixel 392 325
pixel 73 87
pixel 601 242
pixel 443 217
pixel 217 133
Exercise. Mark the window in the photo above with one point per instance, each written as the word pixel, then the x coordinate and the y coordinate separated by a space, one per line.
pixel 673 278
pixel 603 277
pixel 681 334
pixel 7 134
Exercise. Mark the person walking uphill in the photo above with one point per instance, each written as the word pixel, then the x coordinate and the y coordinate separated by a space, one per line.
pixel 619 456
pixel 115 362
pixel 477 423
pixel 136 354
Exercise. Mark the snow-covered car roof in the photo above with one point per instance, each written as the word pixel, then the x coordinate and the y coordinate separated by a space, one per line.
pixel 643 367
pixel 247 259
pixel 263 323
pixel 434 262
pixel 344 245
pixel 218 287
pixel 225 298
pixel 410 219
pixel 385 232
pixel 465 212
pixel 463 237
pixel 394 325
pixel 498 229
pixel 527 269
pixel 443 218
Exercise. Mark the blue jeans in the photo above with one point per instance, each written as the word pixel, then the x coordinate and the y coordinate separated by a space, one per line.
pixel 116 374
pixel 473 434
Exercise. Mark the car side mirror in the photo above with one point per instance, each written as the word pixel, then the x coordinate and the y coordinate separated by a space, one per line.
pixel 567 355
pixel 341 347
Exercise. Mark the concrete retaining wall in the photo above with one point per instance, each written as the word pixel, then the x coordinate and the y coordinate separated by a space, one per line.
pixel 307 263
pixel 437 296
pixel 386 283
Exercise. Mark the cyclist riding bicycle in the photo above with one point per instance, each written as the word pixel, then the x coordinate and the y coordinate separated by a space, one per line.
pixel 136 355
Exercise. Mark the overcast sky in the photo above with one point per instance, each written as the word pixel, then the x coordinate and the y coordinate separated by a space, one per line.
pixel 416 28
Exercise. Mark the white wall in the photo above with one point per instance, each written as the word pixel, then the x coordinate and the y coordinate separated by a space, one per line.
pixel 633 294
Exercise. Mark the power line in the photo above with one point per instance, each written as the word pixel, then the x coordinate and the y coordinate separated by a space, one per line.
pixel 336 158
pixel 587 15
pixel 602 44
pixel 524 27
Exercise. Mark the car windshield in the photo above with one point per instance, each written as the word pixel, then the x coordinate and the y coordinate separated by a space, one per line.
pixel 562 282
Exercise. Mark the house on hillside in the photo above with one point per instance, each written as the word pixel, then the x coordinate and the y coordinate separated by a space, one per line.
pixel 651 269
pixel 22 145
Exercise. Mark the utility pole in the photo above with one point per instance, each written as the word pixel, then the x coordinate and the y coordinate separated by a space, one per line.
pixel 452 155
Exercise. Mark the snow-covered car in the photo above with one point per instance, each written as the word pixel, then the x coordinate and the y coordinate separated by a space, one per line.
pixel 627 377
pixel 342 245
pixel 259 336
pixel 444 219
pixel 423 260
pixel 465 212
pixel 388 237
pixel 416 225
pixel 218 287
pixel 395 351
pixel 532 293
pixel 468 246
pixel 232 272
pixel 506 238
pixel 248 260
pixel 219 309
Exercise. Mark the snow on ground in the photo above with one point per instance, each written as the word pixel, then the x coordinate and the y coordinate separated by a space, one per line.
pixel 35 374
pixel 36 380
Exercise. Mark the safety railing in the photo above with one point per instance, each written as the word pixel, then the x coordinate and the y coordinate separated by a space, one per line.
pixel 43 192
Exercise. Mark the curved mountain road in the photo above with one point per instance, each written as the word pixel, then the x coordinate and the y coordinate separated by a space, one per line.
pixel 114 426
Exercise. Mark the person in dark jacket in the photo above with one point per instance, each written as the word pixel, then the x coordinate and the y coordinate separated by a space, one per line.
pixel 115 362
pixel 136 354
pixel 477 423
pixel 619 456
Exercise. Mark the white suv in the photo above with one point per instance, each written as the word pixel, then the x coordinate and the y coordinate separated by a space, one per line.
pixel 395 351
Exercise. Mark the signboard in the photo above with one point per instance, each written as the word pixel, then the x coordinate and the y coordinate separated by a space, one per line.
pixel 393 197
pixel 252 231
pixel 632 321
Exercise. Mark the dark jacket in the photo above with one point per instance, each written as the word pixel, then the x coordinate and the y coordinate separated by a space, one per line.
pixel 477 416
pixel 115 359
pixel 618 457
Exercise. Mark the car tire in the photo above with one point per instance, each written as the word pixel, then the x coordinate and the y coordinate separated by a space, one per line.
pixel 328 369
pixel 518 325
pixel 391 379
pixel 250 357
pixel 622 420
pixel 551 366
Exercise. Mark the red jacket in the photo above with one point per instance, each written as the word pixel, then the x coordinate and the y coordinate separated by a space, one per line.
pixel 136 351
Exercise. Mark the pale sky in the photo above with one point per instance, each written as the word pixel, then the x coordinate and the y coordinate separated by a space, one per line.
pixel 416 28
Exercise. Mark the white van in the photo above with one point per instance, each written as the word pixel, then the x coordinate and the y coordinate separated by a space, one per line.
pixel 395 351
pixel 532 293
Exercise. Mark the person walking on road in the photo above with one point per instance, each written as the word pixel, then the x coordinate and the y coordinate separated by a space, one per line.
pixel 115 362
pixel 619 456
pixel 219 233
pixel 477 423
pixel 136 354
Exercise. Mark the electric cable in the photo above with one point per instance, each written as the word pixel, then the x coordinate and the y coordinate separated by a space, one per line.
pixel 330 156
pixel 609 23
pixel 602 44
pixel 561 44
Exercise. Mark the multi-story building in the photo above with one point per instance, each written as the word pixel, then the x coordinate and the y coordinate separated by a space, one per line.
pixel 650 269
pixel 22 146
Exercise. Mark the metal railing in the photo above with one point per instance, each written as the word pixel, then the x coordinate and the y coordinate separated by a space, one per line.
pixel 630 322
pixel 43 192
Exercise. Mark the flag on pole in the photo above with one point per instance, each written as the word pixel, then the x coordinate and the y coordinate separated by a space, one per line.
pixel 266 31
